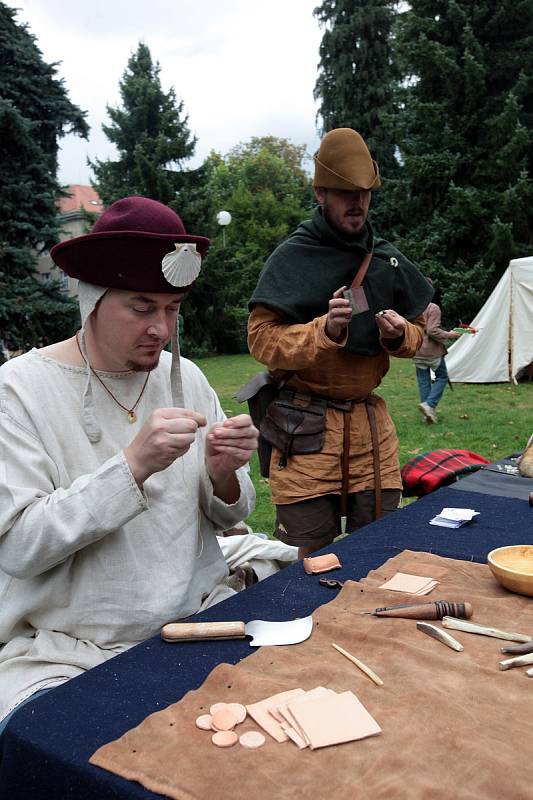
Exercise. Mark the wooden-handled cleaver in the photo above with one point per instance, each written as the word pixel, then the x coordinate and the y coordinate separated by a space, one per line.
pixel 262 632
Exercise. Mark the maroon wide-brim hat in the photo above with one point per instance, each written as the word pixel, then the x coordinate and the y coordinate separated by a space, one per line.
pixel 126 246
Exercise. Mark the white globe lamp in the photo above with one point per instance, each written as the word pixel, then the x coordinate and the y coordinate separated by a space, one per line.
pixel 223 219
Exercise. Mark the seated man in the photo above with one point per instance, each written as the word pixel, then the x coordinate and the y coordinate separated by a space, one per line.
pixel 117 463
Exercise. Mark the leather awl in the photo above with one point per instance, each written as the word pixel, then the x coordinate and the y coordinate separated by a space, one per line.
pixel 436 610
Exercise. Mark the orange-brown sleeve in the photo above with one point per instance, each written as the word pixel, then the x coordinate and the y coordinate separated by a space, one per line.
pixel 413 337
pixel 283 346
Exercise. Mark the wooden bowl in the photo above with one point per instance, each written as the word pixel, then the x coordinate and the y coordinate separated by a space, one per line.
pixel 512 566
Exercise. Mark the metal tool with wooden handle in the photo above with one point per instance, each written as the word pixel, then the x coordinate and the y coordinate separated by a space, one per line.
pixel 436 610
pixel 261 631
pixel 193 631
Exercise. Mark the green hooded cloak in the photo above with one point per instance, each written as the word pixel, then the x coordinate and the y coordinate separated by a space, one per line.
pixel 302 274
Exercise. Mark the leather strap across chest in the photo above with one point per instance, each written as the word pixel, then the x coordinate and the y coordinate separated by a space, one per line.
pixel 361 272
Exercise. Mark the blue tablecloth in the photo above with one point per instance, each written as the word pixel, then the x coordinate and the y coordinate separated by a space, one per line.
pixel 499 479
pixel 45 748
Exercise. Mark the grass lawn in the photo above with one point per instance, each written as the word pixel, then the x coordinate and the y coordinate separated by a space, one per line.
pixel 493 420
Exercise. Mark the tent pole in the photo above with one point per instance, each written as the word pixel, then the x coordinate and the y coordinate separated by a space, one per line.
pixel 510 335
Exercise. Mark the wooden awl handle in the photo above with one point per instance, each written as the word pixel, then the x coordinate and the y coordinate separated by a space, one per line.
pixel 195 631
pixel 436 610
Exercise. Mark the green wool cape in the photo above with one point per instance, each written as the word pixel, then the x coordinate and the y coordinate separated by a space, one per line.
pixel 301 275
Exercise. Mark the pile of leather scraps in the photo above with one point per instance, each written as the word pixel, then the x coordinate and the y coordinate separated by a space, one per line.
pixel 412 584
pixel 316 718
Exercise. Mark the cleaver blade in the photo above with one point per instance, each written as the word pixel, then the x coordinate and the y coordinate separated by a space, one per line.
pixel 263 633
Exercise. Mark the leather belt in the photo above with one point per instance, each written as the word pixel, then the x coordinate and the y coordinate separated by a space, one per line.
pixel 341 405
pixel 346 406
pixel 370 403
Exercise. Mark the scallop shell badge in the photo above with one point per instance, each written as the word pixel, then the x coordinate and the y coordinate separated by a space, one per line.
pixel 183 265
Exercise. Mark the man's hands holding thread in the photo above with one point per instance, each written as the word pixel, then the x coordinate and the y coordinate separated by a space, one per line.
pixel 230 445
pixel 168 433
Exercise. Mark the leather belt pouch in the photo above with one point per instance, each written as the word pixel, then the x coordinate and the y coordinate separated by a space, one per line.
pixel 259 392
pixel 295 426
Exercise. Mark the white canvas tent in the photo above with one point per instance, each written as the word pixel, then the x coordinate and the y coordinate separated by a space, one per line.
pixel 503 346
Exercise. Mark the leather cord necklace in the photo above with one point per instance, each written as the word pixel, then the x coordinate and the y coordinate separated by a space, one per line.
pixel 130 412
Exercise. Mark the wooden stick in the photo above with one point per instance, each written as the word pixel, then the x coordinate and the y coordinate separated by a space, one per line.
pixel 518 661
pixel 471 627
pixel 440 635
pixel 372 675
pixel 518 649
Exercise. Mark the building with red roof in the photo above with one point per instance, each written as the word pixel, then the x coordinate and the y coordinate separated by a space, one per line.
pixel 73 220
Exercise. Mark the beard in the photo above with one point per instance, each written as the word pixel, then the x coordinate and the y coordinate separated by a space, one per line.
pixel 149 362
pixel 135 366
pixel 349 226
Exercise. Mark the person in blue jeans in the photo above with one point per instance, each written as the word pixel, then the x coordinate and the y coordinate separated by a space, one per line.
pixel 430 357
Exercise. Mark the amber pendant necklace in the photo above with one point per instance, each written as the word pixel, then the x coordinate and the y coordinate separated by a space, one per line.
pixel 131 416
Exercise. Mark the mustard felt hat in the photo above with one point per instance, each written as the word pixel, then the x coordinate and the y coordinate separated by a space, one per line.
pixel 343 161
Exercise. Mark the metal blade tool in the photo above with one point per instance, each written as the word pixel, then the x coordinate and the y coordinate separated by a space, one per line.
pixel 262 632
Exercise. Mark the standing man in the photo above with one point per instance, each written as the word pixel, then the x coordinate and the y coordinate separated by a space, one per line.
pixel 117 464
pixel 332 303
pixel 430 356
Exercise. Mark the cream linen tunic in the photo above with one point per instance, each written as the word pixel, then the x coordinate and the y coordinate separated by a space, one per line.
pixel 89 563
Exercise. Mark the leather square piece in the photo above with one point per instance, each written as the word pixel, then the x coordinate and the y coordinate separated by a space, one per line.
pixel 411 584
pixel 333 719
pixel 321 563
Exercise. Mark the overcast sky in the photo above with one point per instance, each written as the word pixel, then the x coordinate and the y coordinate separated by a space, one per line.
pixel 242 67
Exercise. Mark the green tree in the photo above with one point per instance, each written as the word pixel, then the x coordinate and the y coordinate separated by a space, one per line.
pixel 34 113
pixel 263 185
pixel 467 142
pixel 358 74
pixel 151 135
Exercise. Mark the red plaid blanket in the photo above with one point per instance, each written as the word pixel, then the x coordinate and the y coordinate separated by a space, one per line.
pixel 429 471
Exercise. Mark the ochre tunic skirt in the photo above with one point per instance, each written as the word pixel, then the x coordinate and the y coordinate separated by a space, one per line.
pixel 321 366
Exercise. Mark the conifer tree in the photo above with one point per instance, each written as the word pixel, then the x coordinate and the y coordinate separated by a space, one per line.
pixel 34 113
pixel 151 135
pixel 357 73
pixel 467 142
